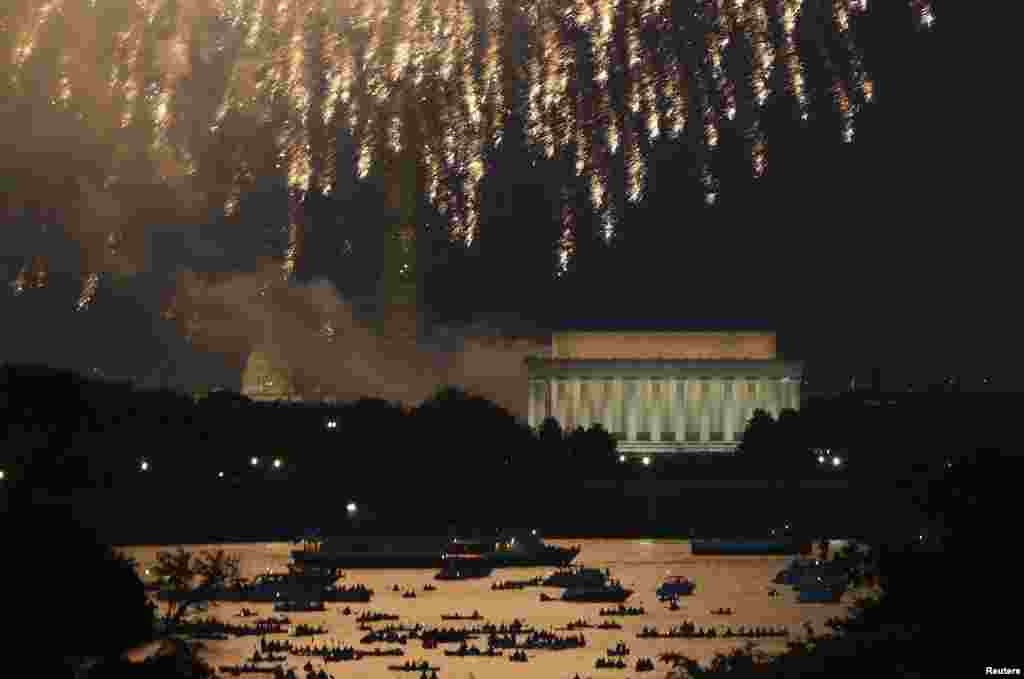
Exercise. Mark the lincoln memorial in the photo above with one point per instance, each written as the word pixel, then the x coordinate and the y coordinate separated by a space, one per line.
pixel 662 392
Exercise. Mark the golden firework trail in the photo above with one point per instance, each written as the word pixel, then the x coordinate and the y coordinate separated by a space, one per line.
pixel 88 295
pixel 304 71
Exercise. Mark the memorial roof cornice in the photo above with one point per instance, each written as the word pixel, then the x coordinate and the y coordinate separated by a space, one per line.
pixel 617 367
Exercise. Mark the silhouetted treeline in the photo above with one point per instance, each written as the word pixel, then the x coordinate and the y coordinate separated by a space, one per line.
pixel 66 431
pixel 889 434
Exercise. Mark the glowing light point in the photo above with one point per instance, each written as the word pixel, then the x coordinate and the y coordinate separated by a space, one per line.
pixel 144 466
pixel 3 475
pixel 622 458
pixel 277 463
pixel 836 461
pixel 927 18
pixel 351 507
pixel 821 459
pixel 332 424
pixel 254 461
pixel 646 460
pixel 220 475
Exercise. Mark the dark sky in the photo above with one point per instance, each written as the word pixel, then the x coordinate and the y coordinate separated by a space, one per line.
pixel 910 270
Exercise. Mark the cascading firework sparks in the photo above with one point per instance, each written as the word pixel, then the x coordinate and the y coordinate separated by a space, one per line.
pixel 89 285
pixel 304 71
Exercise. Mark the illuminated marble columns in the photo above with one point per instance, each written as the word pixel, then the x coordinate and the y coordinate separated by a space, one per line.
pixel 677 405
pixel 679 408
pixel 618 406
pixel 630 406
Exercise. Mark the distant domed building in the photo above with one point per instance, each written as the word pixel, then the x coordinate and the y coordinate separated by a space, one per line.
pixel 262 380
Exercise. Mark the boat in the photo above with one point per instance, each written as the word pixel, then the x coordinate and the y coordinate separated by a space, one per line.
pixel 677 585
pixel 519 549
pixel 576 576
pixel 464 570
pixel 615 593
pixel 807 573
pixel 474 616
pixel 749 547
pixel 527 549
pixel 820 595
pixel 298 606
pixel 463 566
pixel 799 567
pixel 822 579
pixel 422 666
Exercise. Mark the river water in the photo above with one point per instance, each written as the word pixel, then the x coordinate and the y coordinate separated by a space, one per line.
pixel 737 582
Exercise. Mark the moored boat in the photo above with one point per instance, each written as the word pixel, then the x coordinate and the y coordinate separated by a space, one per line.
pixel 677 585
pixel 819 580
pixel 464 568
pixel 820 595
pixel 613 592
pixel 796 569
pixel 576 576
pixel 522 549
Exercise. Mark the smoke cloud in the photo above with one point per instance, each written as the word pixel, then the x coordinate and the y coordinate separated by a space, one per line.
pixel 287 322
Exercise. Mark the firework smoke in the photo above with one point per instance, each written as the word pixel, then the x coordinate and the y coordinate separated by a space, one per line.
pixel 195 101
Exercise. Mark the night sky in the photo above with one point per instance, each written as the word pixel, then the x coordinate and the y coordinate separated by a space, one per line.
pixel 883 252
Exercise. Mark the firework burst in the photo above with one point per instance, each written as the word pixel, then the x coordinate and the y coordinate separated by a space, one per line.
pixel 602 82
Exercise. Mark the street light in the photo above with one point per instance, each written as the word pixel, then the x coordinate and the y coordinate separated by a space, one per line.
pixel 622 458
pixel 144 466
pixel 254 461
pixel 220 475
pixel 836 461
pixel 332 424
pixel 646 460
pixel 277 463
pixel 3 474
pixel 821 459
pixel 351 507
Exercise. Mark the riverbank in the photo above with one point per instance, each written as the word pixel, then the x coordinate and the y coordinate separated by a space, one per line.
pixel 259 512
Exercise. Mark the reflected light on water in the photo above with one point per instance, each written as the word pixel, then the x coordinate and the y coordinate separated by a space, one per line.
pixel 737 582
